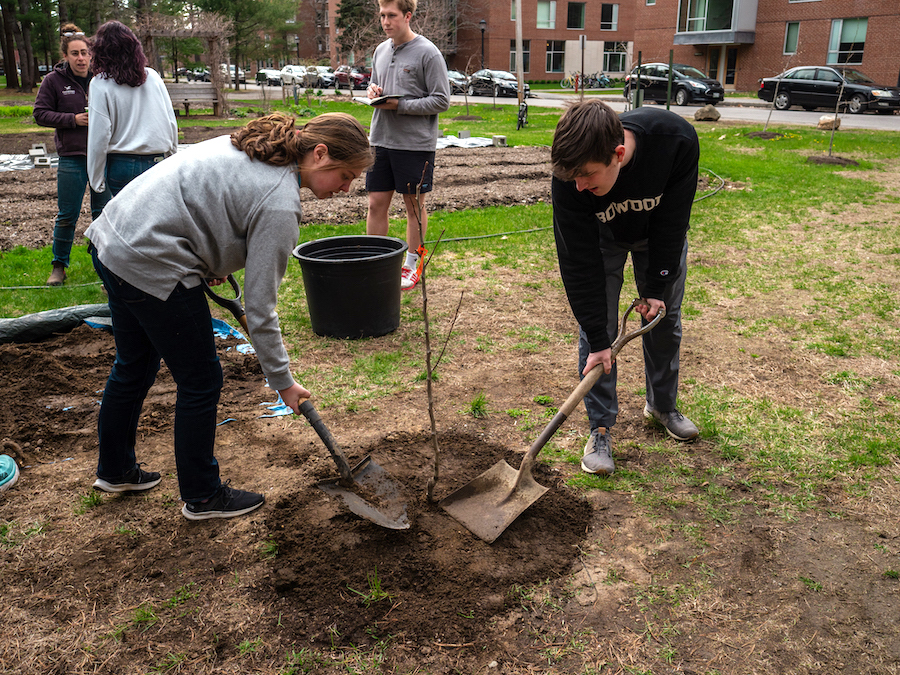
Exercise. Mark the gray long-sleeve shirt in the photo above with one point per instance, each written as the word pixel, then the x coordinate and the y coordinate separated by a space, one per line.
pixel 415 70
pixel 206 212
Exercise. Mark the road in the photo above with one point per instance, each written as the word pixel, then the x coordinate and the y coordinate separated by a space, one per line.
pixel 751 110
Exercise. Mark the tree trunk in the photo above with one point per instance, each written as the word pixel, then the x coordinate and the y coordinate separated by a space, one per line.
pixel 8 13
pixel 23 45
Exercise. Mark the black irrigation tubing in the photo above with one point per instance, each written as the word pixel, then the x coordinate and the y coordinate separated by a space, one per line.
pixel 550 227
pixel 476 236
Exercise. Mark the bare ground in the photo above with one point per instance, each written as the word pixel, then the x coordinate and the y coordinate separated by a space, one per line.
pixel 582 582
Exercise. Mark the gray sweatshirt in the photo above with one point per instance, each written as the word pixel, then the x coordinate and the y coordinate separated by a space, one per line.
pixel 206 212
pixel 415 70
pixel 128 120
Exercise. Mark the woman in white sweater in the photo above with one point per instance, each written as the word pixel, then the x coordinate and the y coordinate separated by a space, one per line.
pixel 132 122
pixel 217 207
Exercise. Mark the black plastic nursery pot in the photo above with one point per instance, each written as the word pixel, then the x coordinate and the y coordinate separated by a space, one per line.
pixel 352 284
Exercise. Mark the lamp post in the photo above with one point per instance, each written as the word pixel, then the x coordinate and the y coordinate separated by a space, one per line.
pixel 483 25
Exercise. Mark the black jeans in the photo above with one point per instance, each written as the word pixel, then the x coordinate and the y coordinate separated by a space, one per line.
pixel 179 331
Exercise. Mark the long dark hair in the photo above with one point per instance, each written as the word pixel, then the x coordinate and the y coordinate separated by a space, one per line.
pixel 117 54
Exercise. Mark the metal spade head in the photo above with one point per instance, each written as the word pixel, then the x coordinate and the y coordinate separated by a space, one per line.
pixel 373 495
pixel 487 505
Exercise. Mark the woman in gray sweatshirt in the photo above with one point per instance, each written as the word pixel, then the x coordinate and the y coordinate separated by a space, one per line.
pixel 226 204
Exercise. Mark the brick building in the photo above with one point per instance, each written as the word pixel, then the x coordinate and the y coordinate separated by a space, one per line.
pixel 735 41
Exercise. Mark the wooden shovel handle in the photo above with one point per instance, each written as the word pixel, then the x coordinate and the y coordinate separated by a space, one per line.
pixel 586 384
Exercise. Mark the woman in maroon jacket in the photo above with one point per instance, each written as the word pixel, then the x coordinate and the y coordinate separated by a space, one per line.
pixel 61 103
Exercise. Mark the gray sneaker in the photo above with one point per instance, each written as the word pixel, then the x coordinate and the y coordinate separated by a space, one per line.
pixel 598 453
pixel 677 425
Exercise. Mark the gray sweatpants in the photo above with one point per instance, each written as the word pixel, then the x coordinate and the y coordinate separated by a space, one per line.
pixel 661 345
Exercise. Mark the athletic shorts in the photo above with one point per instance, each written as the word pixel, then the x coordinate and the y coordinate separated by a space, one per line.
pixel 400 171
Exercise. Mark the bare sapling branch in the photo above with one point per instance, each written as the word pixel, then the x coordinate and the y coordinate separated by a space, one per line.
pixel 417 213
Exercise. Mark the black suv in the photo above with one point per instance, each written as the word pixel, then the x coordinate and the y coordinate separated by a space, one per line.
pixel 814 87
pixel 689 85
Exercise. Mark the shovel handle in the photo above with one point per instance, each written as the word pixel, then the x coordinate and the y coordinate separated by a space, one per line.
pixel 312 415
pixel 233 305
pixel 586 384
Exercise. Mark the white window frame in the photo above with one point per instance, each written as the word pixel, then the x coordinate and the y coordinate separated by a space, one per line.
pixel 526 56
pixel 549 20
pixel 610 25
pixel 834 42
pixel 562 66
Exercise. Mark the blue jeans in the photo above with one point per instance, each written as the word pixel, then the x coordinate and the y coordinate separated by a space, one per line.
pixel 178 330
pixel 662 345
pixel 122 169
pixel 71 180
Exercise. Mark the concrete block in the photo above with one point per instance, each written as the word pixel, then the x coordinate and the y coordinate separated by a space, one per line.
pixel 42 161
pixel 465 134
pixel 499 141
pixel 39 146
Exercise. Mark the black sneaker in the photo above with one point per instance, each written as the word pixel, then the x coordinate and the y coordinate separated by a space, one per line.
pixel 134 480
pixel 226 503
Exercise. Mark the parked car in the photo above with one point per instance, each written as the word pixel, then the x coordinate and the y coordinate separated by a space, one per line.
pixel 268 76
pixel 495 83
pixel 323 76
pixel 197 74
pixel 689 85
pixel 820 86
pixel 352 77
pixel 458 82
pixel 228 73
pixel 293 75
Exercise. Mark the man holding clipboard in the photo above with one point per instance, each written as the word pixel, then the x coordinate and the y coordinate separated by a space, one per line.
pixel 410 75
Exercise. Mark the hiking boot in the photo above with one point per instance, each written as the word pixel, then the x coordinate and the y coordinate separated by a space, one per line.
pixel 135 480
pixel 677 425
pixel 226 503
pixel 9 472
pixel 57 276
pixel 598 453
pixel 409 277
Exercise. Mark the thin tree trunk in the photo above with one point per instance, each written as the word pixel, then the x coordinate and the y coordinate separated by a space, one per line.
pixel 10 25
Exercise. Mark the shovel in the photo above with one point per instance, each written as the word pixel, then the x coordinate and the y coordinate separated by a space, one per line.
pixel 232 305
pixel 489 504
pixel 358 487
pixel 366 489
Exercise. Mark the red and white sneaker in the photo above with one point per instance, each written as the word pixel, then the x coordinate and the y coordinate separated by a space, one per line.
pixel 409 277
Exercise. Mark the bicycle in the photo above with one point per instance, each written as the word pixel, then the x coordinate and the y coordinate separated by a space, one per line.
pixel 523 115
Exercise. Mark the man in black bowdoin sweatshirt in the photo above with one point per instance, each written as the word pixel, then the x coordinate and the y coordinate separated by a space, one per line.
pixel 624 185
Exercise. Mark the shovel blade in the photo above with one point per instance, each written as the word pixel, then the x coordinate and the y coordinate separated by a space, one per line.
pixel 489 504
pixel 374 495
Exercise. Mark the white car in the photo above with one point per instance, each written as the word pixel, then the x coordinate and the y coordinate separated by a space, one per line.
pixel 230 75
pixel 294 75
pixel 268 76
pixel 324 76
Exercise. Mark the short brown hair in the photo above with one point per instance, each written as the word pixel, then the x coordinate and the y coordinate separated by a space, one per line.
pixel 589 131
pixel 405 6
pixel 275 139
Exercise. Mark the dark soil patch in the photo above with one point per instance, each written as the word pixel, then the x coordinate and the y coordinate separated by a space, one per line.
pixel 832 159
pixel 764 135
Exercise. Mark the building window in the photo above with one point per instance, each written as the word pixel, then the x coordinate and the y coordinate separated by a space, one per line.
pixel 526 56
pixel 556 51
pixel 546 14
pixel 651 2
pixel 791 37
pixel 614 54
pixel 575 15
pixel 848 38
pixel 512 10
pixel 609 17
